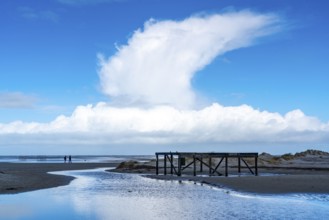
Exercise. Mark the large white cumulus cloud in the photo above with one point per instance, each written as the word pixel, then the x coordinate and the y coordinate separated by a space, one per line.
pixel 158 62
pixel 151 77
pixel 167 125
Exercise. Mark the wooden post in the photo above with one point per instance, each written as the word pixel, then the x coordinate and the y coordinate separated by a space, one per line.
pixel 226 166
pixel 209 165
pixel 172 163
pixel 165 164
pixel 194 166
pixel 239 165
pixel 256 165
pixel 179 166
pixel 157 164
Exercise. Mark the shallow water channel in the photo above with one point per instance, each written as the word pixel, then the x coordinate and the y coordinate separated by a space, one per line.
pixel 97 194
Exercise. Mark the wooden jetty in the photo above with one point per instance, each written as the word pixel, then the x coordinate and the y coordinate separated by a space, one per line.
pixel 177 162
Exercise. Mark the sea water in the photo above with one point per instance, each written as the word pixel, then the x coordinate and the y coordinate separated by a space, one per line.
pixel 75 158
pixel 97 194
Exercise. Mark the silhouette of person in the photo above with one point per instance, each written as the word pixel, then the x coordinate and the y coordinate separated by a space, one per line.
pixel 64 159
pixel 70 159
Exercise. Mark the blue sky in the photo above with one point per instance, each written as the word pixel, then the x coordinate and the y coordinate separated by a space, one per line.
pixel 49 65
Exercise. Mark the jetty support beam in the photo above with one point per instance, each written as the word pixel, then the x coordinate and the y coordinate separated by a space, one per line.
pixel 177 162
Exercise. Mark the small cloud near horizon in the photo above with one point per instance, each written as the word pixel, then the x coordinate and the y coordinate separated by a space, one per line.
pixel 17 100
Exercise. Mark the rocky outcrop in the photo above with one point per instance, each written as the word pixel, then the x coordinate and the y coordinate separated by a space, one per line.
pixel 133 167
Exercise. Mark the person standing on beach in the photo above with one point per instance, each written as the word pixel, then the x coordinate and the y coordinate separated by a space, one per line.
pixel 70 159
pixel 64 159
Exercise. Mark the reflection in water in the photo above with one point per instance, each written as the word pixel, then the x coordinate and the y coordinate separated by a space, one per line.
pixel 96 194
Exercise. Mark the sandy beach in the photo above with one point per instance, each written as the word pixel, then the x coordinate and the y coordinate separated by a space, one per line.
pixel 270 181
pixel 306 172
pixel 276 184
pixel 23 177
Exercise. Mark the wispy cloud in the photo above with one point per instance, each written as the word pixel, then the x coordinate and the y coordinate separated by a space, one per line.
pixel 159 61
pixel 33 14
pixel 86 2
pixel 17 100
pixel 238 95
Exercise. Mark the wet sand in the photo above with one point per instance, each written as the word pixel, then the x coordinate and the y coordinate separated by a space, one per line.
pixel 275 184
pixel 23 177
pixel 272 180
pixel 306 172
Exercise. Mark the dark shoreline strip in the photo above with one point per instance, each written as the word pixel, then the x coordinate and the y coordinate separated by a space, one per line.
pixel 25 177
